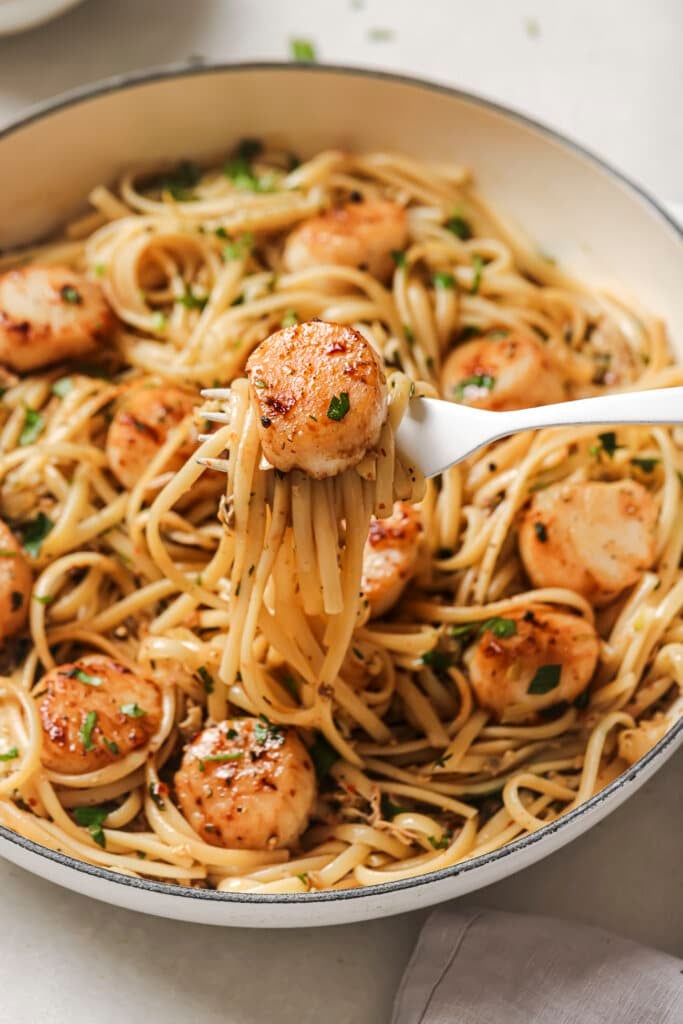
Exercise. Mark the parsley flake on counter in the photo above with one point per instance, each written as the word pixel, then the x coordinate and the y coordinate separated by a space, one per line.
pixel 302 50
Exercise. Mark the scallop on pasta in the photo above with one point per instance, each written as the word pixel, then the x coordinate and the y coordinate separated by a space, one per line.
pixel 244 645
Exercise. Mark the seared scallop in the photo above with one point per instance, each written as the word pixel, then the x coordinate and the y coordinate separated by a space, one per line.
pixel 360 235
pixel 50 313
pixel 246 784
pixel 390 556
pixel 16 582
pixel 94 711
pixel 501 373
pixel 142 425
pixel 595 538
pixel 539 657
pixel 321 397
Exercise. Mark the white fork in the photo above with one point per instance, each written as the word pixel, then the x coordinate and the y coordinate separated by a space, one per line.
pixel 434 434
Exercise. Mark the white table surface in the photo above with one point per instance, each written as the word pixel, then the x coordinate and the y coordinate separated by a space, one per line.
pixel 608 74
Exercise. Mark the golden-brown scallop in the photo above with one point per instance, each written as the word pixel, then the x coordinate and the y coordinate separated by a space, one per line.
pixel 360 235
pixel 16 582
pixel 142 425
pixel 390 556
pixel 94 711
pixel 321 397
pixel 595 538
pixel 546 658
pixel 50 313
pixel 501 373
pixel 246 784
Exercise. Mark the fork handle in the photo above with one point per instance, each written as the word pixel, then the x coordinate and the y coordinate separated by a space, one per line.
pixel 661 405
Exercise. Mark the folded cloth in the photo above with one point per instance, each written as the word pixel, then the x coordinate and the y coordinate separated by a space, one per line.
pixel 488 967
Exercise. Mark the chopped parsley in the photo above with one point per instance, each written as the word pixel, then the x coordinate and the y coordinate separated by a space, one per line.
pixel 443 280
pixel 399 257
pixel 84 677
pixel 380 35
pixel 607 444
pixel 85 733
pixel 409 334
pixel 179 181
pixel 44 598
pixel 111 746
pixel 289 318
pixel 158 321
pixel 438 660
pixel 501 628
pixel 469 331
pixel 388 809
pixel 71 295
pixel 439 844
pixel 478 268
pixel 100 269
pixel 541 532
pixel 34 425
pixel 303 878
pixel 302 50
pixel 323 756
pixel 206 678
pixel 62 387
pixel 339 406
pixel 546 678
pixel 238 248
pixel 233 755
pixel 133 710
pixel 232 734
pixel 462 629
pixel 291 685
pixel 93 819
pixel 191 301
pixel 644 464
pixel 10 754
pixel 477 380
pixel 459 227
pixel 34 533
pixel 156 795
pixel 267 730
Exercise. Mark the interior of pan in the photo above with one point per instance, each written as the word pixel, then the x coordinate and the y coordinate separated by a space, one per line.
pixel 575 207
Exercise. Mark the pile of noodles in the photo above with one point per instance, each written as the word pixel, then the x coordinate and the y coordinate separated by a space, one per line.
pixel 257 609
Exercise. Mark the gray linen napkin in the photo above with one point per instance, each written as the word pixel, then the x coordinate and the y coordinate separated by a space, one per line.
pixel 488 967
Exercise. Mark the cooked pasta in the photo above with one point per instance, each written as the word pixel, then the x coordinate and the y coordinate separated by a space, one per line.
pixel 245 645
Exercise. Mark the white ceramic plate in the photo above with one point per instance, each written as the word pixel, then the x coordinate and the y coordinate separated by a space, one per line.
pixel 18 15
pixel 584 213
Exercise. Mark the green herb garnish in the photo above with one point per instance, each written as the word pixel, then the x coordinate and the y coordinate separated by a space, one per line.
pixel 501 628
pixel 439 844
pixel 443 280
pixel 644 464
pixel 85 733
pixel 84 677
pixel 323 756
pixel 470 331
pixel 234 755
pixel 191 301
pixel 459 227
pixel 541 532
pixel 477 380
pixel 133 710
pixel 156 795
pixel 158 321
pixel 206 678
pixel 34 533
pixel 302 50
pixel 179 181
pixel 238 248
pixel 388 809
pixel 44 598
pixel 92 818
pixel 607 444
pixel 267 730
pixel 339 406
pixel 111 746
pixel 34 425
pixel 438 660
pixel 10 754
pixel 546 678
pixel 399 257
pixel 289 318
pixel 71 295
pixel 478 267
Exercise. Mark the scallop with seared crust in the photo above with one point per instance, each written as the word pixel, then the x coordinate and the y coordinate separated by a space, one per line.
pixel 362 234
pixel 513 372
pixel 321 397
pixel 246 784
pixel 94 711
pixel 390 556
pixel 539 657
pixel 50 313
pixel 16 582
pixel 593 537
pixel 141 426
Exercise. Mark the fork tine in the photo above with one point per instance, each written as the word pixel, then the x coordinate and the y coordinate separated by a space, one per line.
pixel 222 465
pixel 222 393
pixel 216 417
